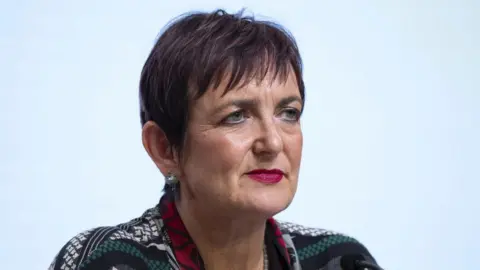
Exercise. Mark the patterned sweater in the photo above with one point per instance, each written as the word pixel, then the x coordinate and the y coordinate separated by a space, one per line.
pixel 159 240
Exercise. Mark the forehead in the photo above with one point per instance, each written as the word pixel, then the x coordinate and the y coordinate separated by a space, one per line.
pixel 269 86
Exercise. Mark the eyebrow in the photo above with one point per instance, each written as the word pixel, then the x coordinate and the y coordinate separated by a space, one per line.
pixel 285 101
pixel 249 103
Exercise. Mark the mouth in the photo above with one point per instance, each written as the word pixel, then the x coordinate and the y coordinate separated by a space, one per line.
pixel 266 176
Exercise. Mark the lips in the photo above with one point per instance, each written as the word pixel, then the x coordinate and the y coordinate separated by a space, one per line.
pixel 266 176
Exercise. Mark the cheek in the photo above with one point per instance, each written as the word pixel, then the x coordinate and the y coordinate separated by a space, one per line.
pixel 217 153
pixel 293 149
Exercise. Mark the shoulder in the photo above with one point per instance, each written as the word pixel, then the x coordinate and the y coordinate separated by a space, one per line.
pixel 316 247
pixel 112 246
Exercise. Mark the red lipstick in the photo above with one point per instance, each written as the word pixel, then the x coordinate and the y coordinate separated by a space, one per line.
pixel 266 176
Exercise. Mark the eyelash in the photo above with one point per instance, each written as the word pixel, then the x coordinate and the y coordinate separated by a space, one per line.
pixel 286 110
pixel 292 110
pixel 225 120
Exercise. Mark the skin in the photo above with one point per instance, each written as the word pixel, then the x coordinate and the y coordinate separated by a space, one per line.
pixel 253 127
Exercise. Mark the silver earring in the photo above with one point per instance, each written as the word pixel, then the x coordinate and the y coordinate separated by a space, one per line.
pixel 171 179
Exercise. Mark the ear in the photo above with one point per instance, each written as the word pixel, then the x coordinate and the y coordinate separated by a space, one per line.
pixel 159 148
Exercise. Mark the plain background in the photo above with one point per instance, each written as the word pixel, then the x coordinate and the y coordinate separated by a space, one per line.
pixel 391 125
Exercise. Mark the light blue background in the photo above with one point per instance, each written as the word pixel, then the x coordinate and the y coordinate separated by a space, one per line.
pixel 391 126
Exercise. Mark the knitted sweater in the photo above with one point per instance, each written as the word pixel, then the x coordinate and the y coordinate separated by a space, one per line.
pixel 159 240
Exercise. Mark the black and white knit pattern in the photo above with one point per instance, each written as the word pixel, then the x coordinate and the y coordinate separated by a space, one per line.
pixel 141 230
pixel 293 228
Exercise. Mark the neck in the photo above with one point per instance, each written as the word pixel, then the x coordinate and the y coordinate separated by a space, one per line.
pixel 224 242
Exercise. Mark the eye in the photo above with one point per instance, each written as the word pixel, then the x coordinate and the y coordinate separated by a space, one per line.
pixel 235 117
pixel 290 114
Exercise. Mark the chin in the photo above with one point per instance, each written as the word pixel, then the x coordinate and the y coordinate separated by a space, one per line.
pixel 269 205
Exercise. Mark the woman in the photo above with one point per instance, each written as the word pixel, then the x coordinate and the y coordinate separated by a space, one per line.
pixel 221 99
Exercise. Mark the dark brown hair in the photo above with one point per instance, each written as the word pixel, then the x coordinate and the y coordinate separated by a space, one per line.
pixel 198 51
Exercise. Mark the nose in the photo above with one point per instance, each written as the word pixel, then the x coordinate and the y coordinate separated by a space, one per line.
pixel 269 140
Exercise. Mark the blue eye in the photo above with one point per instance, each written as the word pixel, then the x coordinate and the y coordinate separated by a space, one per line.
pixel 291 114
pixel 235 118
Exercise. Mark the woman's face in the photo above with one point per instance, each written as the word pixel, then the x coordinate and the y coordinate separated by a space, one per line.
pixel 243 149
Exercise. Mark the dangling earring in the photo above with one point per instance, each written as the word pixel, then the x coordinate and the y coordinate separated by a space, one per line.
pixel 171 179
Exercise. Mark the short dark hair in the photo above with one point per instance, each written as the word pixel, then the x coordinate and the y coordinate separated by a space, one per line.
pixel 198 50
